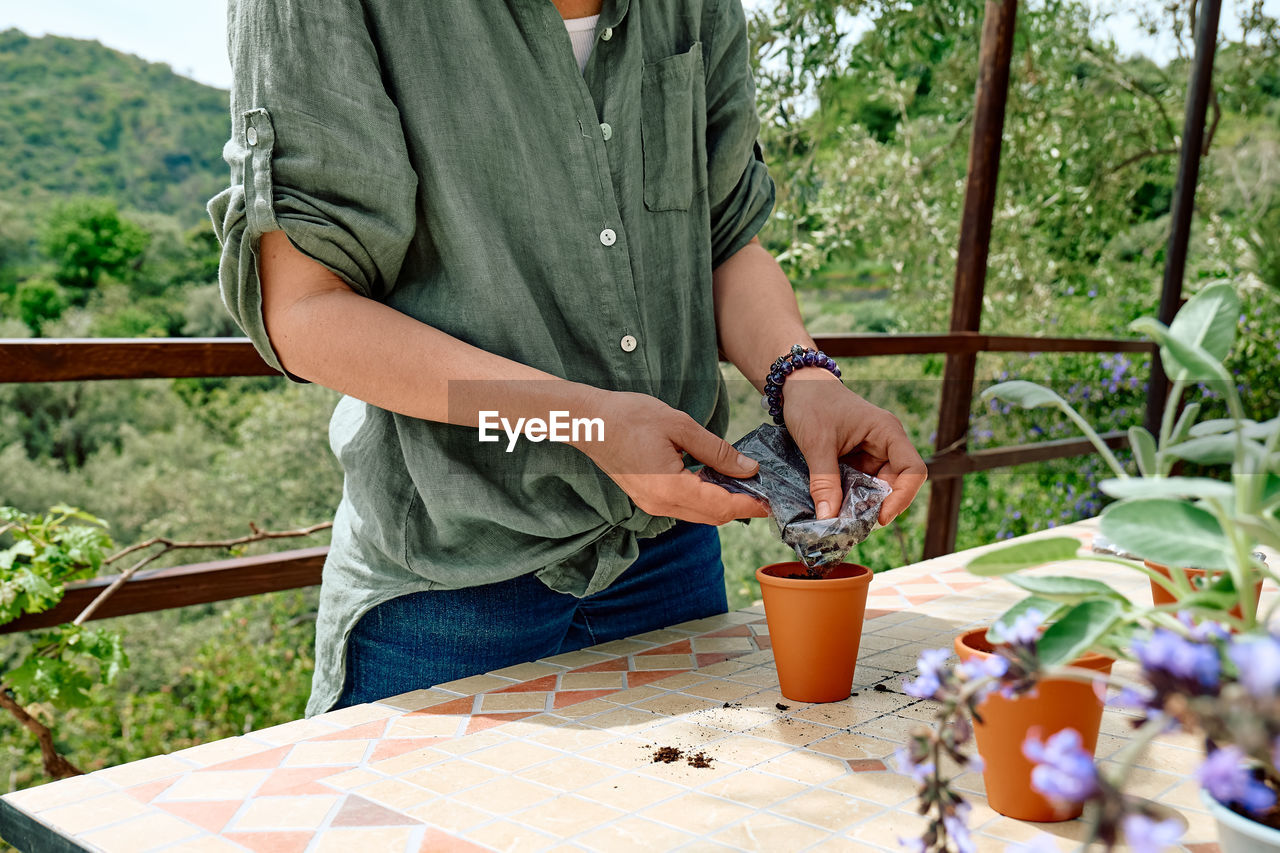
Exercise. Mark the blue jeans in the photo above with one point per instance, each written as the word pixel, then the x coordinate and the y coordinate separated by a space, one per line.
pixel 427 638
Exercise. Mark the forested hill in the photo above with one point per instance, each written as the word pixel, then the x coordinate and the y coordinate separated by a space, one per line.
pixel 78 118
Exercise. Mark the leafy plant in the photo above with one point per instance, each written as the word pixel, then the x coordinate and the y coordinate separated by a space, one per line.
pixel 89 240
pixel 59 667
pixel 1195 672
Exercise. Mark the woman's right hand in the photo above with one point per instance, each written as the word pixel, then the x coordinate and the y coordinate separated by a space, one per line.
pixel 644 440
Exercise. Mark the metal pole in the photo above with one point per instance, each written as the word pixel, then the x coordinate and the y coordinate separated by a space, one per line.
pixel 1184 197
pixel 971 267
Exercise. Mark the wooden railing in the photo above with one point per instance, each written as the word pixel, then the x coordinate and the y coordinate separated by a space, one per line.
pixel 73 360
pixel 25 361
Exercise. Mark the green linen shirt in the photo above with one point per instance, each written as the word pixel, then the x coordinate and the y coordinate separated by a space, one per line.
pixel 450 160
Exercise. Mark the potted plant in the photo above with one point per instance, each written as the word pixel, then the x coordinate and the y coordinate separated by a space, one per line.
pixel 1003 723
pixel 1202 667
pixel 815 605
pixel 815 626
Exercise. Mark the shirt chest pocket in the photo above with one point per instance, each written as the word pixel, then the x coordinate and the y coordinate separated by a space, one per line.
pixel 670 91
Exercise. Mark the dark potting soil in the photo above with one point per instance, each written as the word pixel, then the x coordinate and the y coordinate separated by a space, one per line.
pixel 782 707
pixel 672 754
pixel 700 760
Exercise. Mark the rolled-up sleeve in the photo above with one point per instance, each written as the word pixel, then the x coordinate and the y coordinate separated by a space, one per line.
pixel 738 183
pixel 316 150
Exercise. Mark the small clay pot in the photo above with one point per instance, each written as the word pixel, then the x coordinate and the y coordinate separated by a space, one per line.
pixel 1056 704
pixel 1160 595
pixel 815 626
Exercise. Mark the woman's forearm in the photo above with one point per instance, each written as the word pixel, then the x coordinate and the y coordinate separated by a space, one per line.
pixel 326 333
pixel 757 317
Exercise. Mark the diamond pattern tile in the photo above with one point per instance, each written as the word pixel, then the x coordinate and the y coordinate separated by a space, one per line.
pixel 559 754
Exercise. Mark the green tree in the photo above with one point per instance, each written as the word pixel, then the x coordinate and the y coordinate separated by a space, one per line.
pixel 39 301
pixel 88 240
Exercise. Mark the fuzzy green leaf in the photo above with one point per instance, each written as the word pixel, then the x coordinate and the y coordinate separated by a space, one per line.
pixel 1064 588
pixel 1262 431
pixel 1028 395
pixel 1208 320
pixel 1168 487
pixel 1049 609
pixel 1167 531
pixel 1213 449
pixel 1183 361
pixel 1076 630
pixel 1271 491
pixel 1144 450
pixel 1186 423
pixel 1216 426
pixel 1024 555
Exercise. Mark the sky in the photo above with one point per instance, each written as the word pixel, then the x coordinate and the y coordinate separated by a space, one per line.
pixel 190 35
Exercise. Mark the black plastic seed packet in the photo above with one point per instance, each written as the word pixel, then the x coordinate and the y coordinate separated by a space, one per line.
pixel 783 483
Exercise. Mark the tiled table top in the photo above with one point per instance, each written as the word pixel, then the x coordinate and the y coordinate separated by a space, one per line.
pixel 558 754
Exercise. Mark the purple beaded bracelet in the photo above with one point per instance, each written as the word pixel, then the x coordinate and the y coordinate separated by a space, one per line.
pixel 783 367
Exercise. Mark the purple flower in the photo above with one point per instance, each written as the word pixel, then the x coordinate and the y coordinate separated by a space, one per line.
pixel 1166 652
pixel 1202 632
pixel 1064 772
pixel 1147 835
pixel 930 666
pixel 1132 698
pixel 1024 631
pixel 919 772
pixel 989 667
pixel 993 667
pixel 1259 664
pixel 958 829
pixel 926 686
pixel 1225 776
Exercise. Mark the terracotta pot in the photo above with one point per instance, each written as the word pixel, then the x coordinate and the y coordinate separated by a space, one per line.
pixel 1160 595
pixel 815 626
pixel 1239 834
pixel 1056 704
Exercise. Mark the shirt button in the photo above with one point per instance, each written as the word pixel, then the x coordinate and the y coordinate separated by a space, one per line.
pixel 606 34
pixel 606 130
pixel 628 343
pixel 608 237
pixel 252 135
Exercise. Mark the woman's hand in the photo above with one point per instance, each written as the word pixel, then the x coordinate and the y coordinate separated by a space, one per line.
pixel 831 424
pixel 642 452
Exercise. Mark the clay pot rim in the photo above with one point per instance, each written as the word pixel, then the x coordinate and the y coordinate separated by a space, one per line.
pixel 1190 572
pixel 1165 570
pixel 1089 660
pixel 793 567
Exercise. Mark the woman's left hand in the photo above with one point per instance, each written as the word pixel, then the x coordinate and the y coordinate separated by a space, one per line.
pixel 831 424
